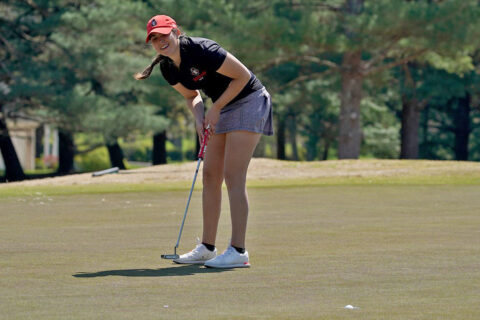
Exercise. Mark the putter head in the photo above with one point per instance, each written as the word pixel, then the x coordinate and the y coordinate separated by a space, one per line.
pixel 170 256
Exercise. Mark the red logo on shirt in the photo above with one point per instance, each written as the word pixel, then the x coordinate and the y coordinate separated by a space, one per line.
pixel 200 76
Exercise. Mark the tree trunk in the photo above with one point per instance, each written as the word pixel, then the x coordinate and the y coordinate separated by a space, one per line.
pixel 410 124
pixel 281 139
pixel 159 155
pixel 326 148
pixel 13 168
pixel 311 145
pixel 424 152
pixel 350 135
pixel 116 155
pixel 39 141
pixel 66 152
pixel 292 128
pixel 461 120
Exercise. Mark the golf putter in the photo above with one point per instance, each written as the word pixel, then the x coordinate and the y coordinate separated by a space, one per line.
pixel 201 153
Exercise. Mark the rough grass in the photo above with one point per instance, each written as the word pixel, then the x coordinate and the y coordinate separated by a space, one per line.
pixel 262 173
pixel 406 250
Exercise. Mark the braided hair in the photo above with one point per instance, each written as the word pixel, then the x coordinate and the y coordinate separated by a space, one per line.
pixel 148 70
pixel 158 59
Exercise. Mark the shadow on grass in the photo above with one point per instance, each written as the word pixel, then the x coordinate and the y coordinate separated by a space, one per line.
pixel 185 270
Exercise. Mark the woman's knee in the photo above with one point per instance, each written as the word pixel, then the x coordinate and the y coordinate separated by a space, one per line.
pixel 235 179
pixel 212 176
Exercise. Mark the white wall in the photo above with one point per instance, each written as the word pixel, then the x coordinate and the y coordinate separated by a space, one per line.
pixel 24 143
pixel 22 133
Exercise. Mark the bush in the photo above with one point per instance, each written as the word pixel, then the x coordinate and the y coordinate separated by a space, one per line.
pixel 97 159
pixel 138 150
pixel 380 142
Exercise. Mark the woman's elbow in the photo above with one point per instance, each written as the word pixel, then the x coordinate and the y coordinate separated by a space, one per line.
pixel 192 96
pixel 245 78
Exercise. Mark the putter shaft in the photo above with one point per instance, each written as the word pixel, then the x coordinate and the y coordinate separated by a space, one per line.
pixel 188 203
pixel 201 154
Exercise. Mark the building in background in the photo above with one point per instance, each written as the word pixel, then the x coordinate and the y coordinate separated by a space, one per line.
pixel 24 134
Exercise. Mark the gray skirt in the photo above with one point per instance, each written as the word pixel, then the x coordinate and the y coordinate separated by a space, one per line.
pixel 251 113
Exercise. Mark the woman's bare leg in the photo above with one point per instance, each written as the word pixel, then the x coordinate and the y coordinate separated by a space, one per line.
pixel 239 147
pixel 212 186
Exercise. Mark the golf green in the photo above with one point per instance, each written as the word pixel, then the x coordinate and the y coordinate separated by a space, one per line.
pixel 390 251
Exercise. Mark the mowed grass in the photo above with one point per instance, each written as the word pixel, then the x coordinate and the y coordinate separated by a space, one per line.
pixel 401 251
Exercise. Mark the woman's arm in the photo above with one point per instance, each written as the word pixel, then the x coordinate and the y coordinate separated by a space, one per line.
pixel 234 69
pixel 195 105
pixel 240 76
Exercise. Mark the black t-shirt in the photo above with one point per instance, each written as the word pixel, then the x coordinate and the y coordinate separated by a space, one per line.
pixel 200 59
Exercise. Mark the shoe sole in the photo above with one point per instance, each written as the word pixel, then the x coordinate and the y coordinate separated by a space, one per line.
pixel 230 266
pixel 190 262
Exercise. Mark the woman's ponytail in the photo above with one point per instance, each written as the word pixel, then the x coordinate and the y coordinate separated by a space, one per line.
pixel 148 70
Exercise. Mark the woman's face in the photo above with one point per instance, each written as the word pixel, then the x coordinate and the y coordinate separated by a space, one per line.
pixel 165 44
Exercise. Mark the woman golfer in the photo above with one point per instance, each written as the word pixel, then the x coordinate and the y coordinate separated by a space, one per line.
pixel 241 112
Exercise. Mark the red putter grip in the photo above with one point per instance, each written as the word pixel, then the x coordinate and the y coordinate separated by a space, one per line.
pixel 203 147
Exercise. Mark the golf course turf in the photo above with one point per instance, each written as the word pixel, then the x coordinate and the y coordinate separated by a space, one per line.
pixel 391 247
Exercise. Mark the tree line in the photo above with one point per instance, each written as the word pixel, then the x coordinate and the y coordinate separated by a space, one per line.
pixel 349 78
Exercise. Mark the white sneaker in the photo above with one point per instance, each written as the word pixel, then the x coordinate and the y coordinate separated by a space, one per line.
pixel 199 255
pixel 231 258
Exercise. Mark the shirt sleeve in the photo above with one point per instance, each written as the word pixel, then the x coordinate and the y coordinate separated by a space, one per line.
pixel 213 54
pixel 168 73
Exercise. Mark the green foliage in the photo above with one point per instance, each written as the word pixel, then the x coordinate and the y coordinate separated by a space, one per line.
pixel 443 90
pixel 70 63
pixel 138 149
pixel 459 63
pixel 474 145
pixel 42 167
pixel 381 141
pixel 103 61
pixel 381 130
pixel 40 171
pixel 380 126
pixel 319 120
pixel 95 160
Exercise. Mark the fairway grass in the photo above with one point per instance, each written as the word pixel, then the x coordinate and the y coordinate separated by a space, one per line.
pixel 395 251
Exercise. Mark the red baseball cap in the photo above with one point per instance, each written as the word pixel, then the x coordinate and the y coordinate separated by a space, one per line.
pixel 160 24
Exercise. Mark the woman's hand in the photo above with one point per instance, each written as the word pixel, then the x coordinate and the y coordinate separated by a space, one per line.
pixel 211 119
